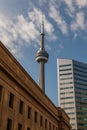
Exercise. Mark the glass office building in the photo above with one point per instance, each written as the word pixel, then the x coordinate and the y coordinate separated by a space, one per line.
pixel 72 91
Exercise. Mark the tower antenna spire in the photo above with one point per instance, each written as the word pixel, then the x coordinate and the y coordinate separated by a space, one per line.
pixel 42 33
pixel 42 25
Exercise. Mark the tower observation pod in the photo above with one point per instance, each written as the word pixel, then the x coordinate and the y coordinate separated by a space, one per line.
pixel 42 57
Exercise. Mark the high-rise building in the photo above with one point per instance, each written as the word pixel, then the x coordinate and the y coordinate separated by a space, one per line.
pixel 72 91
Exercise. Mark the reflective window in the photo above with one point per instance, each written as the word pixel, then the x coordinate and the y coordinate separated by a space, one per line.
pixel 68 108
pixel 65 74
pixel 70 113
pixel 65 69
pixel 85 89
pixel 79 66
pixel 81 75
pixel 66 92
pixel 66 97
pixel 65 78
pixel 66 83
pixel 64 65
pixel 67 103
pixel 66 88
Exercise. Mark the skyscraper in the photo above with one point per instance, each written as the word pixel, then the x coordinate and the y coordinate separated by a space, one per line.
pixel 72 91
pixel 42 58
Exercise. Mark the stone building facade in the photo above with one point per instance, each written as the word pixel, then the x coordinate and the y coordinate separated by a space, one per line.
pixel 23 105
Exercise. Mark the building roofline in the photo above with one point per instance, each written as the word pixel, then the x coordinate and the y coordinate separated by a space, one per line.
pixel 73 60
pixel 15 60
pixel 18 65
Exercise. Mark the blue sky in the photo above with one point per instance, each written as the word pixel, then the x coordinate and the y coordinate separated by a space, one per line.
pixel 65 34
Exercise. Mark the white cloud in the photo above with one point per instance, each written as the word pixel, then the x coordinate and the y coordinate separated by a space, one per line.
pixel 69 3
pixel 55 15
pixel 81 3
pixel 79 22
pixel 12 32
pixel 7 35
pixel 48 47
pixel 26 29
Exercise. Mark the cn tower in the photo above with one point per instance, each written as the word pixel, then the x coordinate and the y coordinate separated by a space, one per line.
pixel 42 58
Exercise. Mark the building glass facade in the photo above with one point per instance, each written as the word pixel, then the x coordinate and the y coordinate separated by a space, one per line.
pixel 72 91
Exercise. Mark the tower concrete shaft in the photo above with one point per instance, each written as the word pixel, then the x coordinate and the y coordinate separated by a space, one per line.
pixel 42 58
pixel 42 76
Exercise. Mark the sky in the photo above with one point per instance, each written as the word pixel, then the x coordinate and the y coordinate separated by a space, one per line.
pixel 65 25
